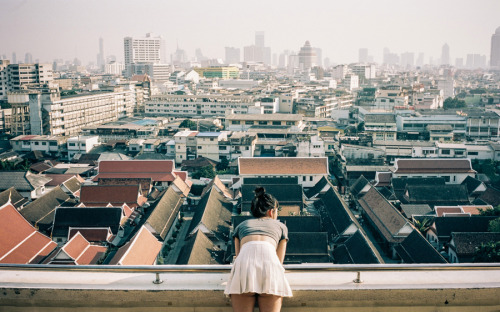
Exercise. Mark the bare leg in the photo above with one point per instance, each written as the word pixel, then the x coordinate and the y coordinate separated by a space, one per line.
pixel 269 303
pixel 243 302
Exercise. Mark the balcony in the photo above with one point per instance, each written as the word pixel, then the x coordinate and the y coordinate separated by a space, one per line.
pixel 316 287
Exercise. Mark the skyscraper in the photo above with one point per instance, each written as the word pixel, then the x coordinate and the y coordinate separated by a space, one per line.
pixel 232 55
pixel 100 56
pixel 28 58
pixel 445 55
pixel 259 39
pixel 363 55
pixel 495 50
pixel 14 58
pixel 307 56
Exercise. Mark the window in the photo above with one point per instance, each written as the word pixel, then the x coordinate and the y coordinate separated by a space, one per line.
pixel 276 123
pixel 445 152
pixel 473 153
pixel 178 147
pixel 310 178
pixel 36 143
pixel 199 147
pixel 44 143
pixel 303 178
pixel 71 144
pixel 446 178
pixel 235 122
pixel 262 122
pixel 53 143
pixel 248 122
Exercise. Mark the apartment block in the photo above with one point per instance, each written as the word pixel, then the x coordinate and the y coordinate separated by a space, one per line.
pixel 15 77
pixel 197 105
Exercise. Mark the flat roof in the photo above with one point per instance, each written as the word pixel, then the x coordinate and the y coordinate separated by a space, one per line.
pixel 284 117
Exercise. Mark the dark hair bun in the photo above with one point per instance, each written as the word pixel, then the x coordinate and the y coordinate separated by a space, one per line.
pixel 260 191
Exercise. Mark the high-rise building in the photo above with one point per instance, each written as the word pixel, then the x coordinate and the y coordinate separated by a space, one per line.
pixel 148 49
pixel 363 55
pixel 420 59
pixel 495 50
pixel 407 59
pixel 28 58
pixel 257 52
pixel 14 58
pixel 445 55
pixel 100 57
pixel 307 56
pixel 259 39
pixel 232 55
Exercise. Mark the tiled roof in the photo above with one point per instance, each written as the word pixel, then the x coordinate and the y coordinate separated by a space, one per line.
pixel 41 211
pixel 445 226
pixel 386 218
pixel 471 183
pixel 355 250
pixel 465 243
pixel 334 214
pixel 182 186
pixel 145 183
pixel 142 249
pixel 415 165
pixel 165 212
pixel 358 186
pixel 116 195
pixel 58 179
pixel 16 199
pixel 157 170
pixel 95 217
pixel 318 187
pixel 220 187
pixel 491 197
pixel 214 213
pixel 416 210
pixel 443 210
pixel 474 210
pixel 200 250
pixel 92 234
pixel 283 166
pixel 311 247
pixel 82 252
pixel 380 118
pixel 449 194
pixel 416 249
pixel 19 240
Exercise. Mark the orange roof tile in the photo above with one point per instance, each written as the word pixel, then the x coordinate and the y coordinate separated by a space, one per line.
pixel 19 240
pixel 141 250
pixel 282 166
pixel 75 246
pixel 116 195
pixel 91 255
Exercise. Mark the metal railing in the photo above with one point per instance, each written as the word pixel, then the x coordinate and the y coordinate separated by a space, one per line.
pixel 309 268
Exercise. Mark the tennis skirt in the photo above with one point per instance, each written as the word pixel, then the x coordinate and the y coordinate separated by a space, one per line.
pixel 257 269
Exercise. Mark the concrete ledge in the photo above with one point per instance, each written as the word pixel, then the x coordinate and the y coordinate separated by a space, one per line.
pixel 388 290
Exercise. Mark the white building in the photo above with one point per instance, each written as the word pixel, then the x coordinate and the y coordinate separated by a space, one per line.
pixel 81 145
pixel 207 144
pixel 448 87
pixel 149 49
pixel 52 145
pixel 197 105
pixel 350 82
pixel 114 68
pixel 243 84
pixel 454 171
pixel 315 147
pixel 185 146
pixel 15 77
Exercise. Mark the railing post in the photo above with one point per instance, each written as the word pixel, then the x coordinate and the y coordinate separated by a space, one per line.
pixel 157 280
pixel 358 279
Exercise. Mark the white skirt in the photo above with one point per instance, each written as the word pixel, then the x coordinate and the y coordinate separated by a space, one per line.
pixel 257 269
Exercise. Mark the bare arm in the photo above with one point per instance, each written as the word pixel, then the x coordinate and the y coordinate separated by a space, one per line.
pixel 280 251
pixel 236 246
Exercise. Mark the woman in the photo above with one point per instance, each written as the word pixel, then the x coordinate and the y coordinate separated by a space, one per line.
pixel 260 245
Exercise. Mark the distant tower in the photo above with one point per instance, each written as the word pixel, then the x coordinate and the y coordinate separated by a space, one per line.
pixel 307 56
pixel 100 57
pixel 363 55
pixel 28 58
pixel 259 39
pixel 445 55
pixel 14 58
pixel 495 50
pixel 232 55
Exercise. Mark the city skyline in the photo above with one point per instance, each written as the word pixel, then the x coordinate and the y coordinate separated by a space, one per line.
pixel 340 29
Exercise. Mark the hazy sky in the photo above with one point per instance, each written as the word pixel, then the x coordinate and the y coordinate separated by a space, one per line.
pixel 51 29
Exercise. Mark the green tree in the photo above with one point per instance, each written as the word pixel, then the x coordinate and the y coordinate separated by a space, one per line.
pixel 223 164
pixel 188 123
pixel 490 212
pixel 494 225
pixel 423 225
pixel 489 252
pixel 450 103
pixel 205 172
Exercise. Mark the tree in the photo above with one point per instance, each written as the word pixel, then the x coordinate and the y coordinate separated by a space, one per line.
pixel 223 164
pixel 423 225
pixel 490 212
pixel 494 225
pixel 450 103
pixel 188 123
pixel 205 172
pixel 489 252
